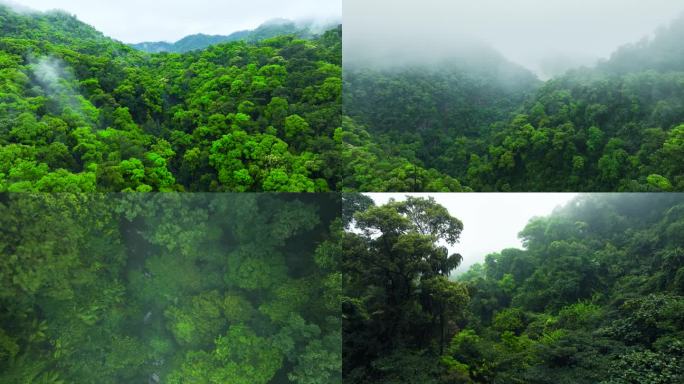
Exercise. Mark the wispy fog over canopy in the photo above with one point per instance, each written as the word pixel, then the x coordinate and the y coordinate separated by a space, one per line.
pixel 546 36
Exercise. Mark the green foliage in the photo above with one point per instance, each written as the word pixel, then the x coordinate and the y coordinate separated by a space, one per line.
pixel 509 320
pixel 614 127
pixel 398 299
pixel 240 357
pixel 197 324
pixel 594 297
pixel 122 288
pixel 80 112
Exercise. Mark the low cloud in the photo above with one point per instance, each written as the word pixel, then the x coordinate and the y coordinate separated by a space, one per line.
pixel 537 34
pixel 55 79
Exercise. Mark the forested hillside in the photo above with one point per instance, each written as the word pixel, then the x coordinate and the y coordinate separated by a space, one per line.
pixel 418 115
pixel 81 112
pixel 596 296
pixel 170 288
pixel 617 126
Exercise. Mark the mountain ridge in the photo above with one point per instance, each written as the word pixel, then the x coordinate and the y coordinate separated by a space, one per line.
pixel 271 28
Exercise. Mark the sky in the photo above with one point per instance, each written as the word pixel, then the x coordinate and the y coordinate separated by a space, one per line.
pixel 527 32
pixel 491 221
pixel 134 21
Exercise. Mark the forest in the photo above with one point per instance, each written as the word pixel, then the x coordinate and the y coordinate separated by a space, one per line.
pixel 80 112
pixel 595 296
pixel 475 121
pixel 264 110
pixel 170 288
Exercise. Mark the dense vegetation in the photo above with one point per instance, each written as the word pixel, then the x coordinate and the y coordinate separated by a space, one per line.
pixel 269 29
pixel 80 112
pixel 481 124
pixel 596 296
pixel 170 288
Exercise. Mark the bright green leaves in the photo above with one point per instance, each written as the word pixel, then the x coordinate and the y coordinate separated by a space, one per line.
pixel 659 182
pixel 263 162
pixel 133 169
pixel 247 358
pixel 122 120
pixel 98 107
pixel 20 171
pixel 296 128
pixel 240 357
pixel 286 298
pixel 509 320
pixel 276 111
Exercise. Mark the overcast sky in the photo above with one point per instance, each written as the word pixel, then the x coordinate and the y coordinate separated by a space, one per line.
pixel 528 32
pixel 133 21
pixel 491 221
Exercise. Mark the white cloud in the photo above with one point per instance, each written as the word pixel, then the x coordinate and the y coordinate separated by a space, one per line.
pixel 525 31
pixel 491 221
pixel 133 21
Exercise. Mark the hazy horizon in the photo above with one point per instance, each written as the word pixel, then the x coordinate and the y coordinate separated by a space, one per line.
pixel 135 22
pixel 491 221
pixel 547 37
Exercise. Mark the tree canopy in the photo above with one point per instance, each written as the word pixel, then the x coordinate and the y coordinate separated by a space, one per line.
pixel 483 124
pixel 173 288
pixel 80 112
pixel 596 296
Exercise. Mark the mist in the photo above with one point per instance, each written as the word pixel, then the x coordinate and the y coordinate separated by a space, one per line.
pixel 545 36
pixel 54 78
pixel 16 7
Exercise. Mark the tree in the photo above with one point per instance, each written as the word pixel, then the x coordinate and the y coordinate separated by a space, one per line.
pixel 395 264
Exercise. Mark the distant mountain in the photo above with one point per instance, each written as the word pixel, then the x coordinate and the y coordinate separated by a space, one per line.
pixel 78 108
pixel 663 52
pixel 269 29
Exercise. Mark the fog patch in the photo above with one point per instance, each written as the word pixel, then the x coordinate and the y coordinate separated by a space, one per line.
pixel 55 79
pixel 546 36
pixel 18 8
pixel 319 25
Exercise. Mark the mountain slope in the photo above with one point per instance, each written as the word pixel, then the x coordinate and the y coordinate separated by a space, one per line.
pixel 419 111
pixel 55 27
pixel 82 112
pixel 595 297
pixel 618 126
pixel 614 127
